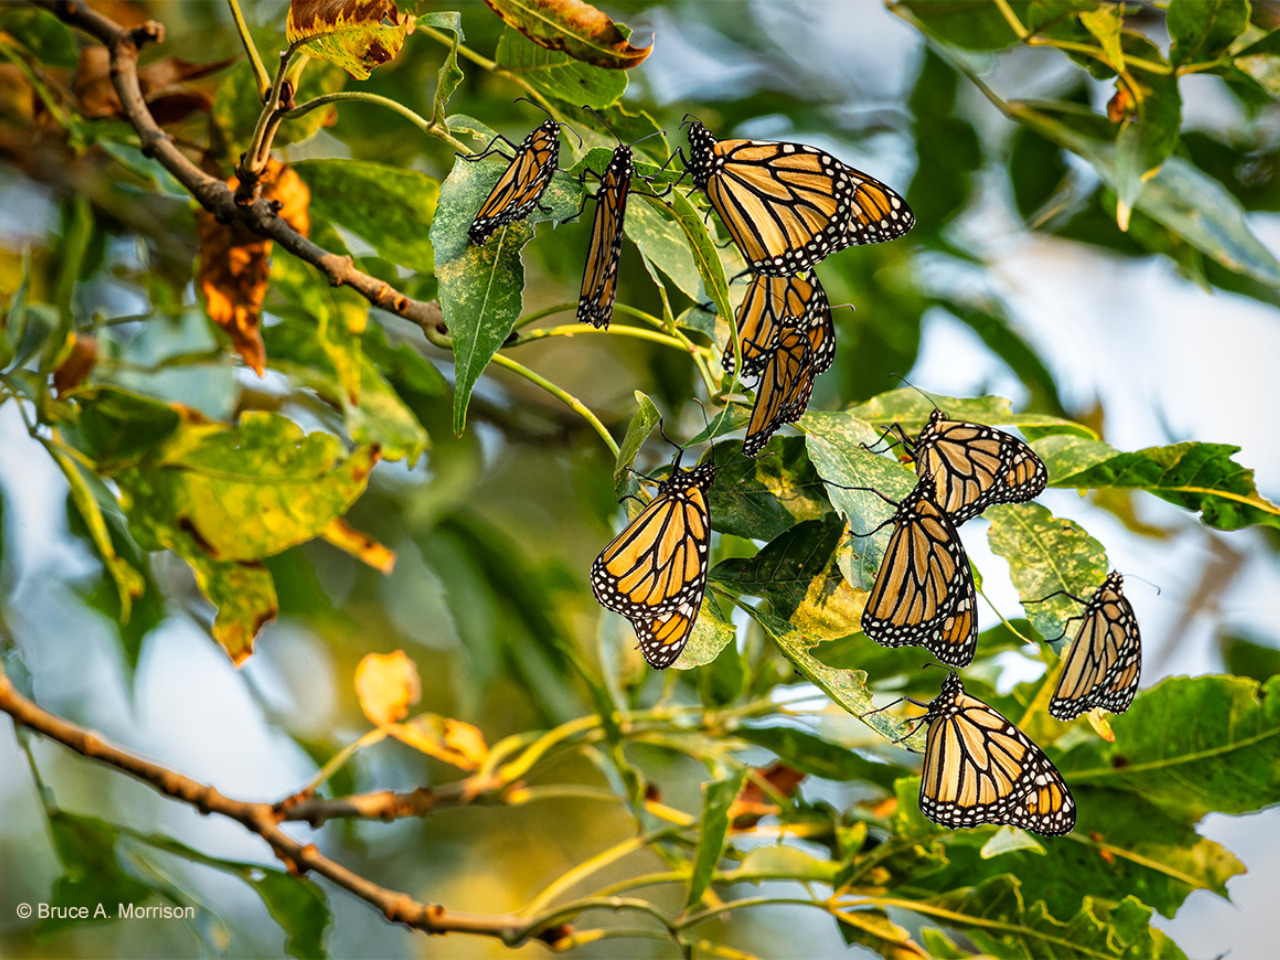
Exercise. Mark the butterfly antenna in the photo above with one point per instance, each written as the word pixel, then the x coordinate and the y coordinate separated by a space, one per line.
pixel 690 118
pixel 1056 593
pixel 1134 576
pixel 679 449
pixel 898 376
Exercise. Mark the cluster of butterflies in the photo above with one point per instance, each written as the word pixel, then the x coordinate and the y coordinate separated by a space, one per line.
pixel 787 206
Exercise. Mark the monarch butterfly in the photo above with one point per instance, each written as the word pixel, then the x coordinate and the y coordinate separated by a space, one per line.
pixel 600 278
pixel 923 594
pixel 784 388
pixel 980 768
pixel 655 571
pixel 971 466
pixel 768 302
pixel 522 184
pixel 1105 660
pixel 786 205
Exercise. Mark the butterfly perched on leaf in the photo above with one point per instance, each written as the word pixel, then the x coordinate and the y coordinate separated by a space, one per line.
pixel 980 768
pixel 654 572
pixel 971 466
pixel 522 184
pixel 787 205
pixel 785 386
pixel 1104 663
pixel 923 594
pixel 600 276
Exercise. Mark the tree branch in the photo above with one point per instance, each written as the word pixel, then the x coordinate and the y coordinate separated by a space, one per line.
pixel 262 819
pixel 388 804
pixel 214 194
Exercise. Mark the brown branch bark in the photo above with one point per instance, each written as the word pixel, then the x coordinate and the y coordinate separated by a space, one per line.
pixel 213 194
pixel 262 819
pixel 389 804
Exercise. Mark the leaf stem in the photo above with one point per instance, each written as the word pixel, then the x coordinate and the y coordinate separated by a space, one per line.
pixel 486 64
pixel 426 126
pixel 260 75
pixel 571 330
pixel 568 399
pixel 268 121
pixel 342 756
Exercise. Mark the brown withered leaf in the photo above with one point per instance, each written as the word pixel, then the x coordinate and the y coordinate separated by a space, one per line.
pixel 77 365
pixel 360 545
pixel 572 27
pixel 753 803
pixel 235 267
pixel 357 35
pixel 163 86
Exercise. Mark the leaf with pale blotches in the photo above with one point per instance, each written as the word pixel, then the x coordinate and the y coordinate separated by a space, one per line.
pixel 357 35
pixel 575 28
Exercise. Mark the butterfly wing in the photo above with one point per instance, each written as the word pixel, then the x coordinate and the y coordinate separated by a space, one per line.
pixel 972 466
pixel 1104 664
pixel 787 206
pixel 980 768
pixel 522 184
pixel 769 302
pixel 600 278
pixel 923 594
pixel 663 638
pixel 658 564
pixel 784 388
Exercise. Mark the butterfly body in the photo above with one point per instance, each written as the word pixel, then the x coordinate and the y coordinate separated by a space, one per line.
pixel 655 571
pixel 972 466
pixel 923 594
pixel 521 185
pixel 980 768
pixel 600 277
pixel 1104 664
pixel 786 205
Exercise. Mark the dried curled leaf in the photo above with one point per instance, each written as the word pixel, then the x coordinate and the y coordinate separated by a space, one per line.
pixel 357 35
pixel 453 741
pixel 77 365
pixel 234 266
pixel 387 685
pixel 163 85
pixel 753 803
pixel 575 28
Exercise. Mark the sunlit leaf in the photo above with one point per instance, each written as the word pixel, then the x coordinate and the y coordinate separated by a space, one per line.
pixel 1203 29
pixel 574 27
pixel 711 634
pixel 452 741
pixel 557 74
pixel 387 686
pixel 357 35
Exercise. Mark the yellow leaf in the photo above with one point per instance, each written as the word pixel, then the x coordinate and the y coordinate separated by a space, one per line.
pixel 1100 725
pixel 357 35
pixel 360 545
pixel 452 741
pixel 387 685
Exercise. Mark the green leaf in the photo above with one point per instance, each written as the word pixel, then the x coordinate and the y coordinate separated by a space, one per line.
pixel 705 255
pixel 357 37
pixel 1046 555
pixel 389 207
pixel 94 871
pixel 481 287
pixel 1184 199
pixel 129 583
pixel 761 499
pixel 1203 29
pixel 1146 142
pixel 1007 840
pixel 948 146
pixel 641 426
pixel 557 74
pixel 653 229
pixel 340 315
pixel 781 863
pixel 242 591
pixel 970 24
pixel 1245 658
pixel 380 417
pixel 247 492
pixel 817 757
pixel 910 408
pixel 13 323
pixel 299 906
pixel 1226 761
pixel 1104 22
pixel 119 429
pixel 717 797
pixel 451 74
pixel 1198 476
pixel 48 39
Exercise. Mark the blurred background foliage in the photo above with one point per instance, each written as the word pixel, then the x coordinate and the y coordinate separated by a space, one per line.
pixel 1094 187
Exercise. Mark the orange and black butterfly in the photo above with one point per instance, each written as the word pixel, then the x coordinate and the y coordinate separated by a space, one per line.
pixel 980 768
pixel 522 184
pixel 971 466
pixel 654 572
pixel 785 386
pixel 786 205
pixel 923 594
pixel 600 278
pixel 769 301
pixel 1104 663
